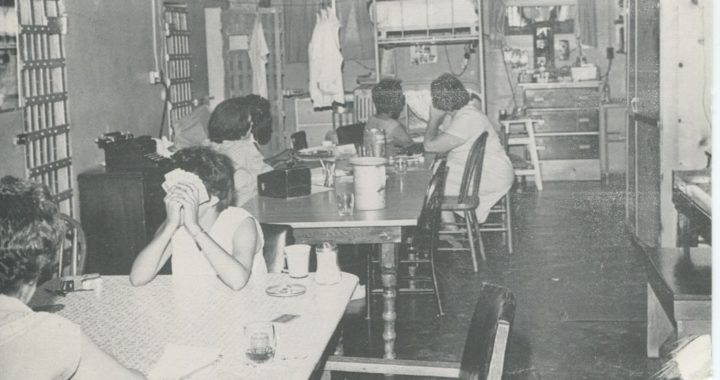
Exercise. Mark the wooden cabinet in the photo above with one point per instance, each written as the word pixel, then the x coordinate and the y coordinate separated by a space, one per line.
pixel 120 212
pixel 569 140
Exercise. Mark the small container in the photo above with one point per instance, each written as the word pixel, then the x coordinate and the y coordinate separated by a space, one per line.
pixel 328 271
pixel 374 142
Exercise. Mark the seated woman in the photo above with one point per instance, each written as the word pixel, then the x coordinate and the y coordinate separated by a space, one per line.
pixel 212 238
pixel 389 102
pixel 466 124
pixel 37 345
pixel 230 130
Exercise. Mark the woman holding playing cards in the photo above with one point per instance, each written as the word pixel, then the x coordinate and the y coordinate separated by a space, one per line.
pixel 203 236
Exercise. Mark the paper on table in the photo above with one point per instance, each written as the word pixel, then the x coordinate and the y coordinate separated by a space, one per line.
pixel 178 361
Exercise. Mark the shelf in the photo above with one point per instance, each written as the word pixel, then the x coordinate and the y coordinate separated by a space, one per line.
pixel 431 36
pixel 551 85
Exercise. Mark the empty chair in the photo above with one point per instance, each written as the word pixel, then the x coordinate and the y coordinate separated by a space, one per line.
pixel 483 357
pixel 277 237
pixel 351 134
pixel 74 244
pixel 526 138
pixel 299 140
pixel 468 199
pixel 423 244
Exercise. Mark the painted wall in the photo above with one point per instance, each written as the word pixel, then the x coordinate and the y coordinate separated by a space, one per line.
pixel 11 156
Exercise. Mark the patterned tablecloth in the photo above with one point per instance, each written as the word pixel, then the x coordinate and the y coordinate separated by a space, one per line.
pixel 135 324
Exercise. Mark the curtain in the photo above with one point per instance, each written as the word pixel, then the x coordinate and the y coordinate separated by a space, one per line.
pixel 586 23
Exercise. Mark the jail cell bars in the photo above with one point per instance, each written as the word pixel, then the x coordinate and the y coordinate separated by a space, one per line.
pixel 177 63
pixel 43 97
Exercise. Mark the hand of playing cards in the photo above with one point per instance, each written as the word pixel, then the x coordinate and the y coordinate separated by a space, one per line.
pixel 181 176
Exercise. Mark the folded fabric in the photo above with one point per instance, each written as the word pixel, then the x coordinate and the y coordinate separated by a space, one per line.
pixel 178 361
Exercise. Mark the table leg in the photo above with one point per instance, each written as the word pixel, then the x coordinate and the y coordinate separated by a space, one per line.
pixel 659 326
pixel 388 274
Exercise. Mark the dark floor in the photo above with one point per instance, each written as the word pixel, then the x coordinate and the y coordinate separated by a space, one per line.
pixel 579 284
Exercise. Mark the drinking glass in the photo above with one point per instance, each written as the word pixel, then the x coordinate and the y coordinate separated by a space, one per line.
pixel 345 203
pixel 260 340
pixel 401 164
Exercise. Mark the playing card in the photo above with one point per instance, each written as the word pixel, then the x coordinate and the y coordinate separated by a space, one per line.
pixel 285 318
pixel 181 176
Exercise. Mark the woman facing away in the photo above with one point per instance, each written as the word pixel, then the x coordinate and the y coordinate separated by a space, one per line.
pixel 389 102
pixel 208 239
pixel 232 128
pixel 38 345
pixel 451 100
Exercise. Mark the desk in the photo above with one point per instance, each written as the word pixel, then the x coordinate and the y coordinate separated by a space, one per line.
pixel 314 219
pixel 135 324
pixel 692 196
pixel 679 294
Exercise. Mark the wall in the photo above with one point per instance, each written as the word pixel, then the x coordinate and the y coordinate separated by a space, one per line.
pixel 109 55
pixel 11 156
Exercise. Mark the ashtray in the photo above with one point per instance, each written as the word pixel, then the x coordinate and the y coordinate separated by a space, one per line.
pixel 289 290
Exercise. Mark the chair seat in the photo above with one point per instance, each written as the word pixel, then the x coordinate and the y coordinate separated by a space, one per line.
pixel 450 203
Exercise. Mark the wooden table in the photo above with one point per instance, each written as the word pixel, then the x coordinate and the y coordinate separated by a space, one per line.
pixel 135 324
pixel 314 219
pixel 692 196
pixel 679 295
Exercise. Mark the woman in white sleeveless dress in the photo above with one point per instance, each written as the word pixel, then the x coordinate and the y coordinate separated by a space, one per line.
pixel 208 239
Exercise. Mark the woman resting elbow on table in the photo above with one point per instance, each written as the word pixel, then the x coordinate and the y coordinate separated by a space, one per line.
pixel 456 138
pixel 210 239
pixel 37 345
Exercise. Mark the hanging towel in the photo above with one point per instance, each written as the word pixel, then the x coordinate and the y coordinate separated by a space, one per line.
pixel 325 61
pixel 258 52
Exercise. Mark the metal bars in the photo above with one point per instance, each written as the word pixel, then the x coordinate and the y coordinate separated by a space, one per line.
pixel 178 73
pixel 43 97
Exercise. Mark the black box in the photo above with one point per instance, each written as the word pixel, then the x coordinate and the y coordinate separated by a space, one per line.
pixel 285 183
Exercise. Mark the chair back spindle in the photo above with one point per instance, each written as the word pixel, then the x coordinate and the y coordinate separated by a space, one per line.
pixel 470 185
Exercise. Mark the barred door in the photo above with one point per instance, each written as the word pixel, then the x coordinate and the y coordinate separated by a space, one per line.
pixel 43 97
pixel 178 75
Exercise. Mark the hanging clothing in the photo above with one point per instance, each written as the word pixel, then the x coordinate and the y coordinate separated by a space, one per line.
pixel 325 61
pixel 258 52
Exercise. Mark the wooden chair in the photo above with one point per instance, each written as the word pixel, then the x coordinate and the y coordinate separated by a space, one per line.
pixel 75 244
pixel 351 134
pixel 299 140
pixel 422 247
pixel 483 357
pixel 277 237
pixel 468 199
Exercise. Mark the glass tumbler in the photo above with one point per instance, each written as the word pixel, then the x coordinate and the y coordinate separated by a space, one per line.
pixel 260 340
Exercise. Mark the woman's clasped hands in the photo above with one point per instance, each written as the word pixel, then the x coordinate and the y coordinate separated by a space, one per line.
pixel 181 205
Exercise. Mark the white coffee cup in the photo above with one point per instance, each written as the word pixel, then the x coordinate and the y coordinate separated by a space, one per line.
pixel 297 257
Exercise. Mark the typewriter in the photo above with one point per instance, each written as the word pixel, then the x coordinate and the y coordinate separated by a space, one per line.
pixel 123 151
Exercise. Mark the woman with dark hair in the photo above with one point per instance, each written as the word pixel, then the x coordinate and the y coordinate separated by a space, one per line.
pixel 389 102
pixel 231 132
pixel 208 239
pixel 451 100
pixel 37 345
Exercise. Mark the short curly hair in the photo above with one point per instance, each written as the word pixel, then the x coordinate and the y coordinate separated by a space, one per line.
pixel 448 93
pixel 214 169
pixel 388 97
pixel 261 118
pixel 230 120
pixel 30 232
